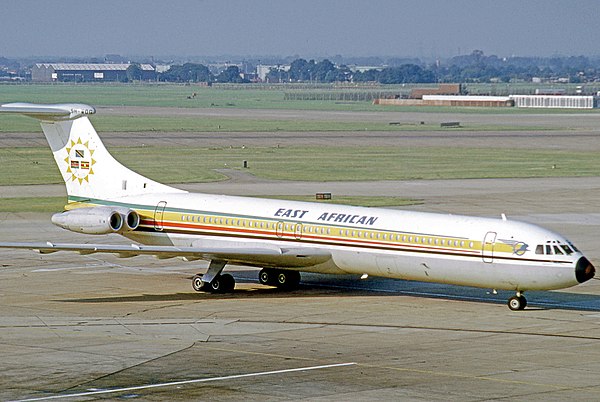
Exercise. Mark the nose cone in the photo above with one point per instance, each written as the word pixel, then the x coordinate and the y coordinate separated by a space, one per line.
pixel 584 270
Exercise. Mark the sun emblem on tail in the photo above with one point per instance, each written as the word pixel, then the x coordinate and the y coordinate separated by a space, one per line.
pixel 79 160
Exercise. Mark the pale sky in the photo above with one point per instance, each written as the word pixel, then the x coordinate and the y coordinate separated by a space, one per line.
pixel 307 28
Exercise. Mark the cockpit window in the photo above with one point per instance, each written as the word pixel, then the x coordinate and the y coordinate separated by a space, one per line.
pixel 555 247
pixel 567 249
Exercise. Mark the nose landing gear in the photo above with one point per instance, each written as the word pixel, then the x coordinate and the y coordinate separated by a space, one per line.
pixel 517 302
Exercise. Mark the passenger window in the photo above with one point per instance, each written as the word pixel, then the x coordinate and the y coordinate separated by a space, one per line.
pixel 539 249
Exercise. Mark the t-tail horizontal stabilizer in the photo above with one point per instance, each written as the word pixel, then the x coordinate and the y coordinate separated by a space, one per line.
pixel 63 111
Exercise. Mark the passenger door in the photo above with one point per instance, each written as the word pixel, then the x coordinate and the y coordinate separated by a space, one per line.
pixel 159 213
pixel 487 247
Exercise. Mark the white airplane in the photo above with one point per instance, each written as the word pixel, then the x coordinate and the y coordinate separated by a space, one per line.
pixel 287 237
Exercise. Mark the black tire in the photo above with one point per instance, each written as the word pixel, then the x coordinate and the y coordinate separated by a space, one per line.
pixel 227 283
pixel 197 283
pixel 517 303
pixel 287 279
pixel 221 284
pixel 266 277
pixel 523 302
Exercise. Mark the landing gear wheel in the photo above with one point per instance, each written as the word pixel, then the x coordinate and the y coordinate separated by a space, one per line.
pixel 221 284
pixel 197 283
pixel 523 302
pixel 287 279
pixel 517 303
pixel 227 283
pixel 266 276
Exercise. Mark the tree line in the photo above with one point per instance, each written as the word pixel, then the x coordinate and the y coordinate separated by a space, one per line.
pixel 473 68
pixel 191 72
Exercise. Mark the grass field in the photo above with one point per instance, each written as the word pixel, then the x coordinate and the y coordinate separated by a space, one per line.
pixel 189 164
pixel 255 97
pixel 32 204
pixel 169 95
pixel 12 123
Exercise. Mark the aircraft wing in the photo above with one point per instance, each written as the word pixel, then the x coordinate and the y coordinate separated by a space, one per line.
pixel 260 257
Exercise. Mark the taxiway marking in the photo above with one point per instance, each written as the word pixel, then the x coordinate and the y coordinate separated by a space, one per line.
pixel 175 383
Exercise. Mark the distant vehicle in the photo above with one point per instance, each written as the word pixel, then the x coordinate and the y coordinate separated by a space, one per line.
pixel 285 238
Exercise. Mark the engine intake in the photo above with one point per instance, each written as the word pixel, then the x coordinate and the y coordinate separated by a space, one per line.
pixel 132 220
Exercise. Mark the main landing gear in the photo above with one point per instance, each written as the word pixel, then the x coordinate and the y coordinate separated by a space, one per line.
pixel 281 278
pixel 223 283
pixel 214 281
pixel 517 302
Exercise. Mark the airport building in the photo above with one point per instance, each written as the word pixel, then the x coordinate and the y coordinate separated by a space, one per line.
pixel 75 72
pixel 555 101
pixel 521 101
pixel 467 100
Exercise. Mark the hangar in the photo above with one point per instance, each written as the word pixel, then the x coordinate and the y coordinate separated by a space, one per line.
pixel 87 72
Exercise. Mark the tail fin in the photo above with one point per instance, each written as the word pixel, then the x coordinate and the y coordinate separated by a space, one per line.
pixel 88 169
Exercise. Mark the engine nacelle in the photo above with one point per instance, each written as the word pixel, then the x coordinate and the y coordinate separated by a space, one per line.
pixel 98 220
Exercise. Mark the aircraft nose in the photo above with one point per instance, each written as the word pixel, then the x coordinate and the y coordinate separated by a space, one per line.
pixel 584 270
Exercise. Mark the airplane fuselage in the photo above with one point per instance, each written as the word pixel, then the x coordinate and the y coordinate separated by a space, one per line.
pixel 444 248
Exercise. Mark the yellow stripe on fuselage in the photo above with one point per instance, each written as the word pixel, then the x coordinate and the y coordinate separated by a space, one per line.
pixel 292 230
